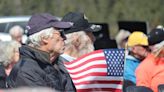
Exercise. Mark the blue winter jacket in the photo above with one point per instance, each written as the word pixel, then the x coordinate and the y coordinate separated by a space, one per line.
pixel 131 64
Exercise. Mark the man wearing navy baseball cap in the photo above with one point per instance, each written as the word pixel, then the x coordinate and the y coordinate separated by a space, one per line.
pixel 79 41
pixel 45 41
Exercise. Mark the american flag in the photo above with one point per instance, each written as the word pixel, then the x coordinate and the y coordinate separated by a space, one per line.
pixel 98 71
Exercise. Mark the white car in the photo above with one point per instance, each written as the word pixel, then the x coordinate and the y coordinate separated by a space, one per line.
pixel 7 22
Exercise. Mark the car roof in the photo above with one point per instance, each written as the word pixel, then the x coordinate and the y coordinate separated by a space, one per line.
pixel 14 19
pixel 5 19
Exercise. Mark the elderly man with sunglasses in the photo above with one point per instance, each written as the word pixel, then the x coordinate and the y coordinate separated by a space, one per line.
pixel 45 42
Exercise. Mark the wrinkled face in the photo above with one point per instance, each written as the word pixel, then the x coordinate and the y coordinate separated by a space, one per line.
pixel 16 55
pixel 17 36
pixel 139 52
pixel 19 39
pixel 55 43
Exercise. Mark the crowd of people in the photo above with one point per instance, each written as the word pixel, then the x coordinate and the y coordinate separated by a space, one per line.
pixel 51 42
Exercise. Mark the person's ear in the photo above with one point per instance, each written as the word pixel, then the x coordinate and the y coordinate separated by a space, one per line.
pixel 44 40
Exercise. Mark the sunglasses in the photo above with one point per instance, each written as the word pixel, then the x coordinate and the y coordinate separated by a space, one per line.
pixel 63 34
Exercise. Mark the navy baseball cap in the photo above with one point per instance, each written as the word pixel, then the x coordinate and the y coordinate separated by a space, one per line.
pixel 156 36
pixel 80 23
pixel 42 21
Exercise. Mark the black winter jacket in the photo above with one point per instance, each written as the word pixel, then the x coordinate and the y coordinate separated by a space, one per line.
pixel 66 79
pixel 34 70
pixel 2 77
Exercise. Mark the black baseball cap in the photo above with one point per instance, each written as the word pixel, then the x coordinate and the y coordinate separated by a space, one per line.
pixel 42 21
pixel 156 36
pixel 80 23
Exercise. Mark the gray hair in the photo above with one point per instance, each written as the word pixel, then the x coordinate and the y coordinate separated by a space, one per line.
pixel 7 50
pixel 122 35
pixel 16 29
pixel 158 48
pixel 85 44
pixel 35 39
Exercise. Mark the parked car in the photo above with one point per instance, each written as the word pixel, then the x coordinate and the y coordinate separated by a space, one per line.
pixel 7 22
